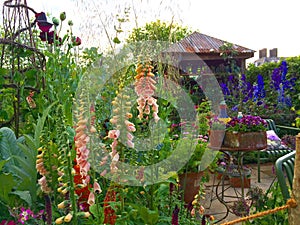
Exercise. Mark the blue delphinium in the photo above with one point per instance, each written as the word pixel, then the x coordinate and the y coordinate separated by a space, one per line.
pixel 281 84
pixel 237 90
pixel 259 89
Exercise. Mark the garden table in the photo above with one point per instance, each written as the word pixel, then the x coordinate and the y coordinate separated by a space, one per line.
pixel 232 154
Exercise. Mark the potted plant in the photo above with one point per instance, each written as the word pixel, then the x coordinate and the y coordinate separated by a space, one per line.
pixel 220 171
pixel 246 133
pixel 238 175
pixel 190 176
pixel 216 132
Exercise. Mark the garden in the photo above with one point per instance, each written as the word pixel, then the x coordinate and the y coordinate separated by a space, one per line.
pixel 90 137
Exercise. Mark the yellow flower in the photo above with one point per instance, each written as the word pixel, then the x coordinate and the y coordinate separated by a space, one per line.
pixel 83 214
pixel 68 217
pixel 86 214
pixel 59 220
pixel 62 205
pixel 59 189
pixel 65 191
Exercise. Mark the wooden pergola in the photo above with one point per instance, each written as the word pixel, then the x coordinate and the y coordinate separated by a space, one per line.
pixel 199 54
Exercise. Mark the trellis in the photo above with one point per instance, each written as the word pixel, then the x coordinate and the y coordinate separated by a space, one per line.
pixel 19 56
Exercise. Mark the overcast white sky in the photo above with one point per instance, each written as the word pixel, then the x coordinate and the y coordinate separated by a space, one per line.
pixel 254 24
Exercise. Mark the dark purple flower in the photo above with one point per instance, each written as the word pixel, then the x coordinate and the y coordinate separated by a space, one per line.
pixel 76 41
pixel 247 123
pixel 241 207
pixel 175 216
pixel 203 221
pixel 49 37
pixel 42 22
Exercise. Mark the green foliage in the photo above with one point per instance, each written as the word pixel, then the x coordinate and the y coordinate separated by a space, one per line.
pixel 267 201
pixel 18 170
pixel 159 31
pixel 6 185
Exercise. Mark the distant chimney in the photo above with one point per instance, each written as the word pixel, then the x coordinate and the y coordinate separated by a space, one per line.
pixel 263 53
pixel 273 52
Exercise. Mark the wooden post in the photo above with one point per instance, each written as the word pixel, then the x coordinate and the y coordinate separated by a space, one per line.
pixel 294 213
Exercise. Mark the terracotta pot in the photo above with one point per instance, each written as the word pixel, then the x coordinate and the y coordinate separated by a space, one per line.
pixel 220 176
pixel 237 182
pixel 216 138
pixel 190 184
pixel 246 141
pixel 236 178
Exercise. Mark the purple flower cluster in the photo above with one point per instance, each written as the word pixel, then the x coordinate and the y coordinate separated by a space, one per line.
pixel 281 84
pixel 241 207
pixel 259 91
pixel 247 123
pixel 27 214
pixel 237 89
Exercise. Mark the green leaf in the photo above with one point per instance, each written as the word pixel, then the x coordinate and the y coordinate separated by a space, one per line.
pixel 17 76
pixel 116 40
pixel 148 216
pixel 6 185
pixel 97 211
pixel 3 72
pixel 3 114
pixel 8 145
pixel 21 161
pixel 2 163
pixel 40 125
pixel 25 195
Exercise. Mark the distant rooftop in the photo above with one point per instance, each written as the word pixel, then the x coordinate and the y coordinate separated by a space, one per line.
pixel 263 58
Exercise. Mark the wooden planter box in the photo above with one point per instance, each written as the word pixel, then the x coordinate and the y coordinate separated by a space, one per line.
pixel 246 141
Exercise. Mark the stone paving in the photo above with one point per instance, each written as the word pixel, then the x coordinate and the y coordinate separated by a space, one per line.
pixel 212 204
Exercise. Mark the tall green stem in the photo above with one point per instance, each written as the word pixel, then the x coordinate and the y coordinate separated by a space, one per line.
pixel 72 187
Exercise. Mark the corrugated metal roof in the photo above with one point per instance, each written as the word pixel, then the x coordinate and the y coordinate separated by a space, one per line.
pixel 202 43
